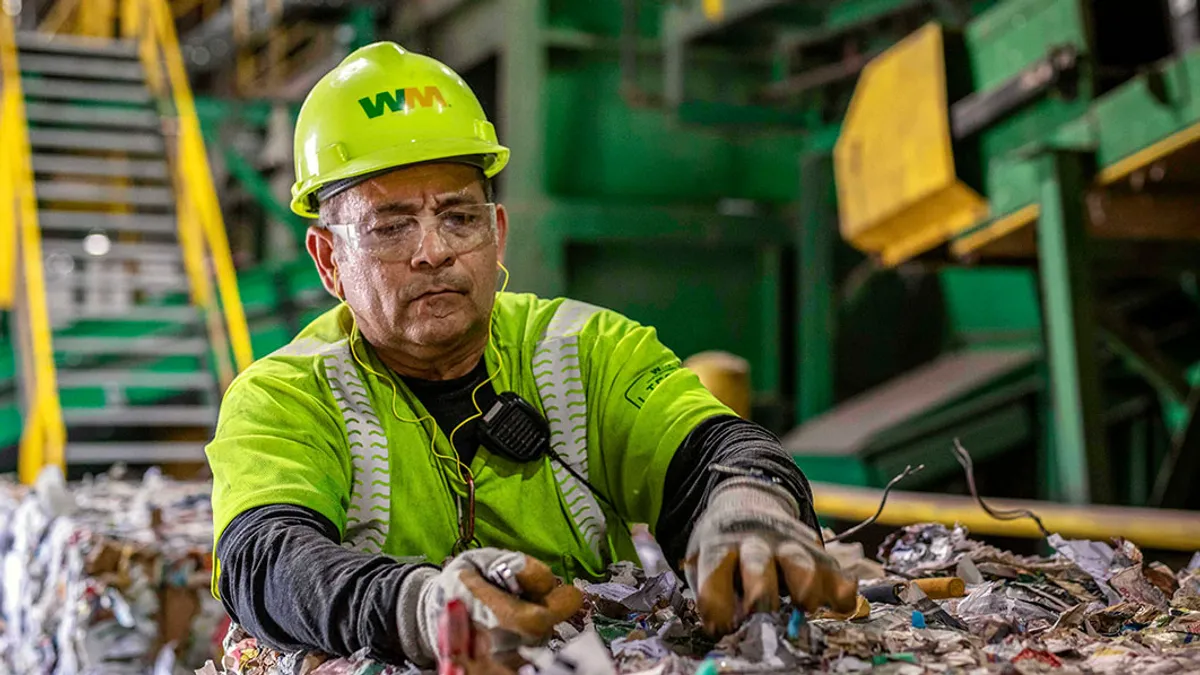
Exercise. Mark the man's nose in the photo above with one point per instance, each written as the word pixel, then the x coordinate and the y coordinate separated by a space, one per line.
pixel 432 250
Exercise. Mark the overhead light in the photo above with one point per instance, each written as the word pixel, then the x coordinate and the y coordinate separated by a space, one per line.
pixel 97 244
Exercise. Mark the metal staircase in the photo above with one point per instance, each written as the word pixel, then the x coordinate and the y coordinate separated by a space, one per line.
pixel 132 353
pixel 114 261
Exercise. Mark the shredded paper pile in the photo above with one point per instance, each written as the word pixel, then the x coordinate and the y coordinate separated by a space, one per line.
pixel 1092 607
pixel 108 577
pixel 111 577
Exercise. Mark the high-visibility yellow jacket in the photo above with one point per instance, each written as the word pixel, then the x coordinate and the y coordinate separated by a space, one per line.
pixel 309 425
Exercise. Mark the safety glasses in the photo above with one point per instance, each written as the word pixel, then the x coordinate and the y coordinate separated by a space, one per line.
pixel 462 229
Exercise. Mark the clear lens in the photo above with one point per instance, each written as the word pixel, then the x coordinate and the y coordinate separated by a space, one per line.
pixel 462 228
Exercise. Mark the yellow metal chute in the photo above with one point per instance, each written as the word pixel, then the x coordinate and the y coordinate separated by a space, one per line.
pixel 898 192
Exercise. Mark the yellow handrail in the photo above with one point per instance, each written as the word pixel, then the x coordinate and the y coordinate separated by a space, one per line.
pixel 201 227
pixel 43 435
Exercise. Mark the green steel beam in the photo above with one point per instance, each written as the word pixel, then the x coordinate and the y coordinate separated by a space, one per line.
pixel 1079 443
pixel 818 235
pixel 258 188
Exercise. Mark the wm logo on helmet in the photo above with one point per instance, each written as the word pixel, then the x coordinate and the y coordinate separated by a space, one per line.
pixel 401 99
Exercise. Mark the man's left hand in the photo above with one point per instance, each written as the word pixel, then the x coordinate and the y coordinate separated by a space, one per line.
pixel 752 527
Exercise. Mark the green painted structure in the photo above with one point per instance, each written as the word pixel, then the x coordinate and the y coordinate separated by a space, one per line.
pixel 676 168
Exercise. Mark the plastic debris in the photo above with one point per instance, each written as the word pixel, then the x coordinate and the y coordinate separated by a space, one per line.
pixel 918 619
pixel 794 624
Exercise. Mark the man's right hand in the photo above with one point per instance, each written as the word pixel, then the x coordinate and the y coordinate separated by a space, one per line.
pixel 530 608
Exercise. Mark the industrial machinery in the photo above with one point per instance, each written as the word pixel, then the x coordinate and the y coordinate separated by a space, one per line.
pixel 1058 135
pixel 916 220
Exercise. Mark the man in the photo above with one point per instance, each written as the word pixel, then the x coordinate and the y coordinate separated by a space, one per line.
pixel 403 430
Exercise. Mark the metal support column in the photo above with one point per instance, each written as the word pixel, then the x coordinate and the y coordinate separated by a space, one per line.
pixel 818 234
pixel 523 65
pixel 1079 443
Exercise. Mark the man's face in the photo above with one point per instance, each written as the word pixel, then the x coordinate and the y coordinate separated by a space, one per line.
pixel 437 297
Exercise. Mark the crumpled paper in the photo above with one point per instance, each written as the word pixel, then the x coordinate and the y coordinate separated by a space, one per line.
pixel 617 600
pixel 89 567
pixel 1022 614
pixel 1188 595
pixel 852 559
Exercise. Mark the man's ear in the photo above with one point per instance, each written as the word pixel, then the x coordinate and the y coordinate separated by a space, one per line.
pixel 319 243
pixel 501 231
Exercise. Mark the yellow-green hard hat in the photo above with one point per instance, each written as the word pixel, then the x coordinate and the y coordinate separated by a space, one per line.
pixel 383 107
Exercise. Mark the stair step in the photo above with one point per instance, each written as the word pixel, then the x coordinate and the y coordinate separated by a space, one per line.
pixel 86 221
pixel 154 169
pixel 84 90
pixel 92 116
pixel 82 280
pixel 146 143
pixel 138 314
pixel 91 66
pixel 134 195
pixel 142 416
pixel 68 379
pixel 32 41
pixel 118 251
pixel 134 453
pixel 144 346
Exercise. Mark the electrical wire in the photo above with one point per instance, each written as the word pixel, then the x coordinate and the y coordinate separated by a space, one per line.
pixel 908 471
pixel 493 376
pixel 964 458
pixel 464 471
pixel 465 474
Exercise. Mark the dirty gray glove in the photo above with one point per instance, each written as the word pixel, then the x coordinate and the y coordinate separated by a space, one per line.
pixel 752 526
pixel 525 599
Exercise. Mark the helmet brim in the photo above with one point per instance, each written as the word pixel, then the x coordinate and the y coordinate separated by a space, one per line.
pixel 490 157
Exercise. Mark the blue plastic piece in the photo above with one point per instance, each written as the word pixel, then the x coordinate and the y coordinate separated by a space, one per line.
pixel 918 619
pixel 709 667
pixel 794 624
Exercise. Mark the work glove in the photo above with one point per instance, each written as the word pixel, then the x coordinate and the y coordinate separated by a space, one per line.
pixel 512 595
pixel 752 528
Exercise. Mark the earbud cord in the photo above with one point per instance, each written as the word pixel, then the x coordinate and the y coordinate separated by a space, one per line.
pixel 465 470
